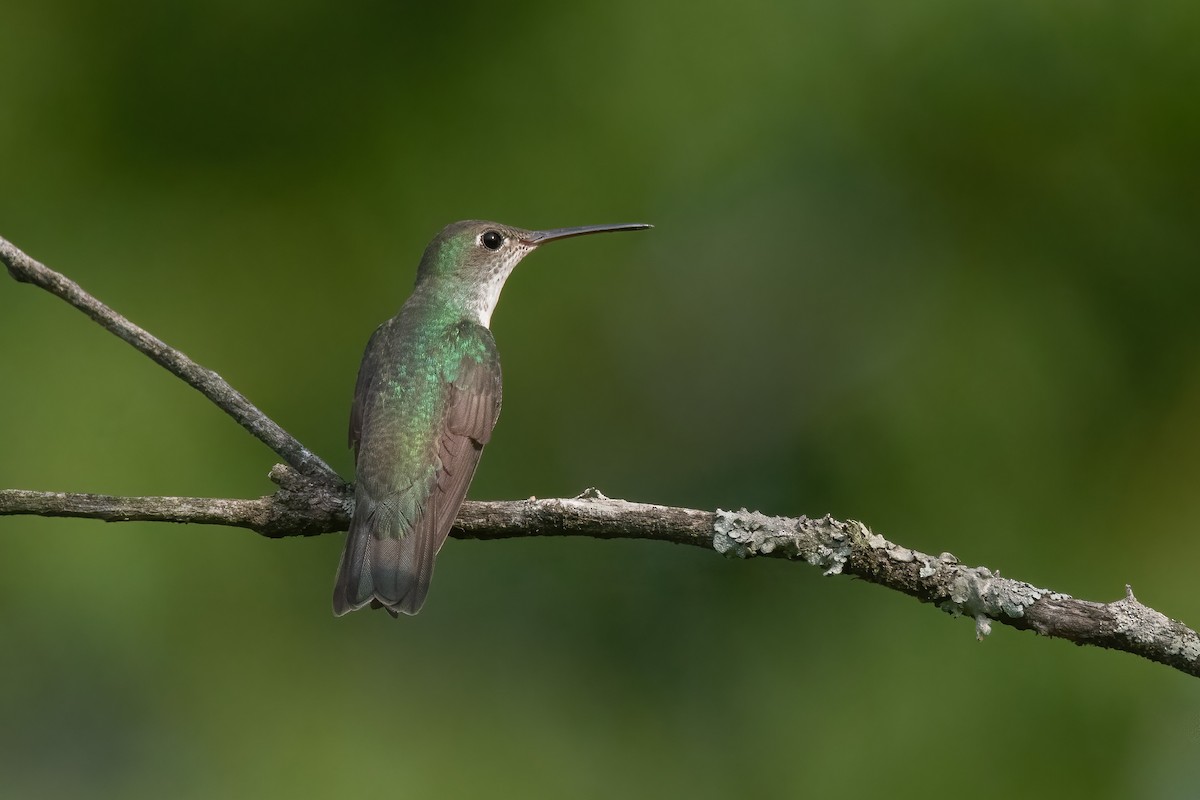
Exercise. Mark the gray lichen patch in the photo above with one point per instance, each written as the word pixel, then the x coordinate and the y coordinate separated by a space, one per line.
pixel 1145 626
pixel 931 565
pixel 1185 645
pixel 1134 620
pixel 825 542
pixel 979 593
pixel 745 534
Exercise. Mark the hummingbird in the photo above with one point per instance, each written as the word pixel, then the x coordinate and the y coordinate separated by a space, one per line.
pixel 425 402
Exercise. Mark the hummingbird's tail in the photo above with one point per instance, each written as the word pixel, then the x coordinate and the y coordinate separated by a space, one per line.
pixel 384 564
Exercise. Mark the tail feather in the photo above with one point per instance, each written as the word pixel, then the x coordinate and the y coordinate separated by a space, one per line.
pixel 353 588
pixel 381 568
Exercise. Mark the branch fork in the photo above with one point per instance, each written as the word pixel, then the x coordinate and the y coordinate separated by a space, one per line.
pixel 312 500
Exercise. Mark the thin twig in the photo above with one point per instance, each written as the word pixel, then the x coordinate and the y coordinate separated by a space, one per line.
pixel 304 507
pixel 210 384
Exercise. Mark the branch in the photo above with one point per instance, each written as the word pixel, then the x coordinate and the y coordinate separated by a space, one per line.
pixel 303 507
pixel 210 384
pixel 312 500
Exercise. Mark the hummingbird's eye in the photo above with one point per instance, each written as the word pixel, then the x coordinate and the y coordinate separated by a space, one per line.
pixel 492 240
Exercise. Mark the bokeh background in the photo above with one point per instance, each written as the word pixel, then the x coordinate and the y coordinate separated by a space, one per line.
pixel 931 265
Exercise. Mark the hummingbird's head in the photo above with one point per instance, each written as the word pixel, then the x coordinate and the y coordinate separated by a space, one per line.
pixel 469 261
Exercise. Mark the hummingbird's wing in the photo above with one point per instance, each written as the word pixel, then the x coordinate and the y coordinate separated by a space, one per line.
pixel 471 411
pixel 367 371
pixel 395 535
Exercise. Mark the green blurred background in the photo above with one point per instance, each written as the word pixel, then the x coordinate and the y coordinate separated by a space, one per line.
pixel 931 265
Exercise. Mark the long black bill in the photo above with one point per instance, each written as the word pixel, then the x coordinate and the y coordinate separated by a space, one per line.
pixel 541 237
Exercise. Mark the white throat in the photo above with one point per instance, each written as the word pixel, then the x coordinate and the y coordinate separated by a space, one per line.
pixel 487 293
